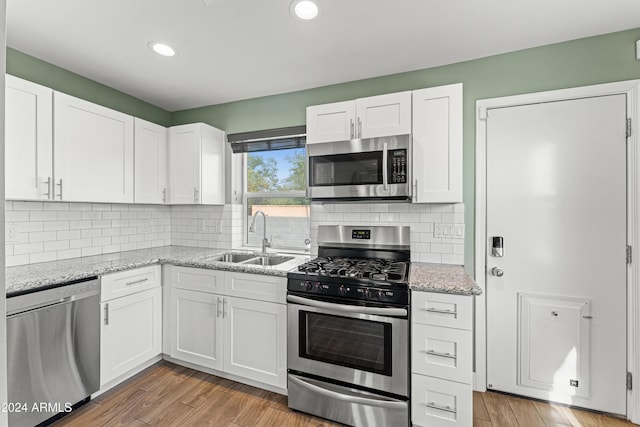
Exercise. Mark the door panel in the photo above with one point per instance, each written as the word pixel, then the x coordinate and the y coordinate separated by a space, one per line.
pixel 556 193
pixel 28 140
pixel 150 162
pixel 93 153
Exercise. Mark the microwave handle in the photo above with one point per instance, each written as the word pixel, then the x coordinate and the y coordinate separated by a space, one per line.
pixel 385 167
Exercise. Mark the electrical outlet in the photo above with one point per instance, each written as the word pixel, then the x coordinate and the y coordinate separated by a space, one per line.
pixel 12 233
pixel 201 225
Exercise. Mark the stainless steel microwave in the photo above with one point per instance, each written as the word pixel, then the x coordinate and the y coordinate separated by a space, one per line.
pixel 360 169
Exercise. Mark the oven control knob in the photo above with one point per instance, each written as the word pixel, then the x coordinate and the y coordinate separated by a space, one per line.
pixel 318 287
pixel 342 291
pixel 380 294
pixel 368 294
pixel 308 286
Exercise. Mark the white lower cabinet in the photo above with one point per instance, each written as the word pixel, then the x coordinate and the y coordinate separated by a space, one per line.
pixel 131 323
pixel 209 326
pixel 255 340
pixel 441 360
pixel 196 327
pixel 440 403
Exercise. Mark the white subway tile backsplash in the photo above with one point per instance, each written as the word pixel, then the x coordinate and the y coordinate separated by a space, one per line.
pixel 425 247
pixel 43 216
pixel 42 236
pixel 47 231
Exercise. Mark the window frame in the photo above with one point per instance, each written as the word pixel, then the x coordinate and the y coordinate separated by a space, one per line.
pixel 246 195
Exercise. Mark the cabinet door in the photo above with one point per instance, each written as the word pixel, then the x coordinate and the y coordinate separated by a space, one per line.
pixel 150 166
pixel 196 332
pixel 28 140
pixel 331 122
pixel 93 156
pixel 256 340
pixel 184 164
pixel 212 160
pixel 384 115
pixel 131 332
pixel 437 144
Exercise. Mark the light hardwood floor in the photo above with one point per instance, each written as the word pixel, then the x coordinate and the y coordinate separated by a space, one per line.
pixel 171 395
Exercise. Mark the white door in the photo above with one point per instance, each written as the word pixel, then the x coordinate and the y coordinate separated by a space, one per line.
pixel 93 155
pixel 196 327
pixel 384 115
pixel 256 340
pixel 150 162
pixel 331 122
pixel 131 332
pixel 437 144
pixel 184 164
pixel 556 194
pixel 28 140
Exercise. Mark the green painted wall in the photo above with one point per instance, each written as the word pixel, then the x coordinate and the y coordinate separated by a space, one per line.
pixel 588 61
pixel 46 74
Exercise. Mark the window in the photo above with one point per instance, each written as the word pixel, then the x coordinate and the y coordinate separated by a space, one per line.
pixel 275 184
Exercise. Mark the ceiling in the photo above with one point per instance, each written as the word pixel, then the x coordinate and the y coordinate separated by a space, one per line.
pixel 238 49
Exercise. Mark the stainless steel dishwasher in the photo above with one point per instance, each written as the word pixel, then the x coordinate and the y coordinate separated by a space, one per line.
pixel 53 346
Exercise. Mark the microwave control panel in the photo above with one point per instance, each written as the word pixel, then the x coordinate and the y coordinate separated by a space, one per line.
pixel 397 165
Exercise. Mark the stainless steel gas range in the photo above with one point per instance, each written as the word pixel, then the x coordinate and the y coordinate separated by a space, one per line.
pixel 348 327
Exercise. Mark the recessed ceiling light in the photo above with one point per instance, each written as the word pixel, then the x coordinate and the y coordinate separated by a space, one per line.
pixel 304 9
pixel 162 49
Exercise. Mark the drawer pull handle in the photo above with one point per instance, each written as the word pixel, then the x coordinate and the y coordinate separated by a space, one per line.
pixel 135 282
pixel 447 408
pixel 437 310
pixel 437 353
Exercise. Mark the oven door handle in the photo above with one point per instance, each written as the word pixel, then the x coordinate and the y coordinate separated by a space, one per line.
pixel 368 401
pixel 380 311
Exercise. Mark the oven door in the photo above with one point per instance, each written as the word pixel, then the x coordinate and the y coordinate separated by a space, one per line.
pixel 360 168
pixel 362 346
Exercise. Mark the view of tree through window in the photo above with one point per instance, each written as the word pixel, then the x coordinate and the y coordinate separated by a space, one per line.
pixel 269 171
pixel 276 183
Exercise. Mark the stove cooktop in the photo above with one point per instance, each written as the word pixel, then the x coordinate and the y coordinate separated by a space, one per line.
pixel 379 271
pixel 357 279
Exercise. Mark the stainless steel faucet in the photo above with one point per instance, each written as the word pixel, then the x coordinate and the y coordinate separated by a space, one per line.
pixel 252 228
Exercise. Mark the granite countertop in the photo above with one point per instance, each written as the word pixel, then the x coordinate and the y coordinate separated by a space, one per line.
pixel 448 279
pixel 30 277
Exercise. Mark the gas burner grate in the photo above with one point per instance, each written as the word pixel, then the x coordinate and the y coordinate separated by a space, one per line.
pixel 378 270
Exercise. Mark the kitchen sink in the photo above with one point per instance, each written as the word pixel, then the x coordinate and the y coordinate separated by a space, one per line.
pixel 231 257
pixel 269 260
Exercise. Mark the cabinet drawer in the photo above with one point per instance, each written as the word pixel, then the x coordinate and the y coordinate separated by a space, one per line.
pixel 442 352
pixel 452 311
pixel 256 286
pixel 197 279
pixel 116 285
pixel 440 403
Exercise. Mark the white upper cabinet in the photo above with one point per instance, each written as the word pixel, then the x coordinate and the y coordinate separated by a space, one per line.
pixel 196 164
pixel 331 122
pixel 28 140
pixel 150 162
pixel 384 115
pixel 93 157
pixel 437 144
pixel 372 117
